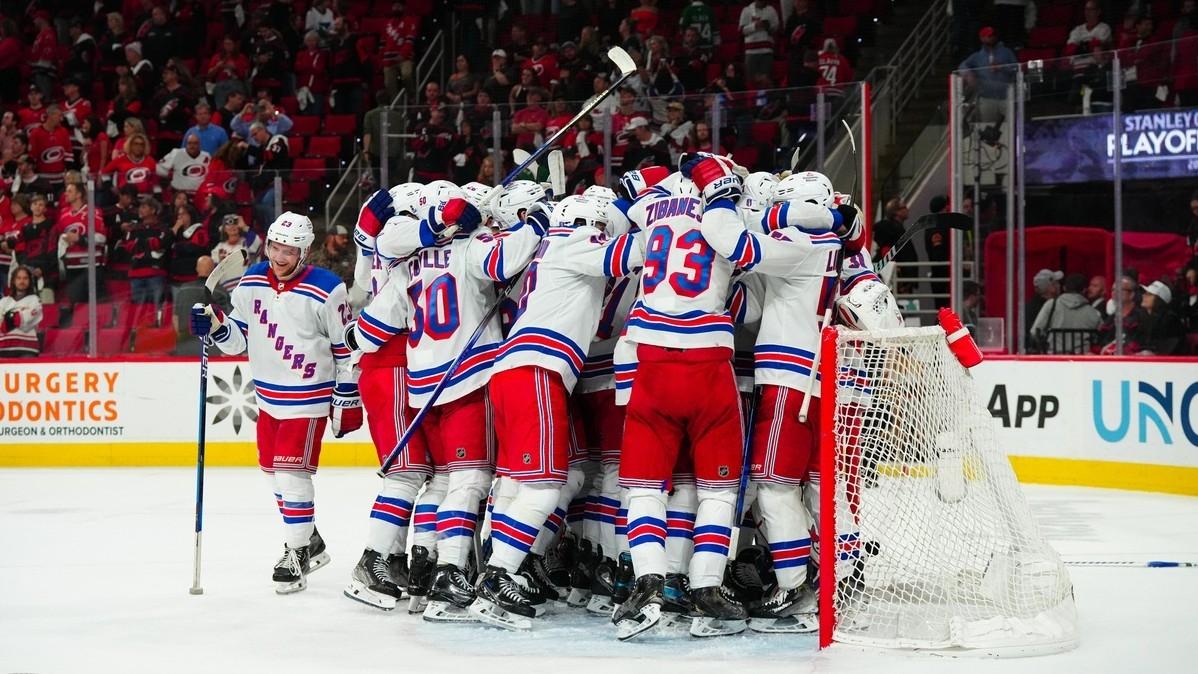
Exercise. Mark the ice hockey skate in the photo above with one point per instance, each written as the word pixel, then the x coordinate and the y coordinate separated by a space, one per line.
pixel 623 578
pixel 581 575
pixel 399 572
pixel 716 613
pixel 291 570
pixel 750 575
pixel 641 612
pixel 420 578
pixel 539 582
pixel 371 582
pixel 601 602
pixel 316 548
pixel 500 601
pixel 786 612
pixel 449 597
pixel 676 605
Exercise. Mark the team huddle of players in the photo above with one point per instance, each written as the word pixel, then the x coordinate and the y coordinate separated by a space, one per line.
pixel 588 448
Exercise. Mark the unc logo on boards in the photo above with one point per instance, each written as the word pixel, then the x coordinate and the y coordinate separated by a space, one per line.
pixel 1166 412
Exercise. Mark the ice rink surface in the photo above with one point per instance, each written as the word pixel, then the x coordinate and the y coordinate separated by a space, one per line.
pixel 96 565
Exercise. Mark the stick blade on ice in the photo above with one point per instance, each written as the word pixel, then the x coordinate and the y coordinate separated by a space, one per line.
pixel 622 60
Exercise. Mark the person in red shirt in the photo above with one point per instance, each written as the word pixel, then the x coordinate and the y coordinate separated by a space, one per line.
pixel 75 109
pixel 399 49
pixel 44 55
pixel 834 68
pixel 10 232
pixel 34 113
pixel 50 147
pixel 529 123
pixel 542 62
pixel 645 17
pixel 71 234
pixel 559 116
pixel 135 167
pixel 312 73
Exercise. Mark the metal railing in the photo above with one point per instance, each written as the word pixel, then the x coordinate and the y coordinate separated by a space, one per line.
pixel 911 63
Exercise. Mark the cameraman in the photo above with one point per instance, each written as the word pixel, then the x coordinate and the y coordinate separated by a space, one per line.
pixel 145 243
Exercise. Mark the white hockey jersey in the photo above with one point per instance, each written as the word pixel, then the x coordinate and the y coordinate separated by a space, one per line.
pixel 684 285
pixel 801 269
pixel 292 331
pixel 451 285
pixel 186 171
pixel 561 300
pixel 598 372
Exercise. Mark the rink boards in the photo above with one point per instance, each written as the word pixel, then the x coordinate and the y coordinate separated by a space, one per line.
pixel 1127 423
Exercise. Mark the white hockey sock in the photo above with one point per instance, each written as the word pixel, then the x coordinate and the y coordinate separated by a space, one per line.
pixel 713 533
pixel 556 518
pixel 647 530
pixel 592 487
pixel 392 511
pixel 609 508
pixel 299 506
pixel 503 490
pixel 680 527
pixel 424 516
pixel 514 530
pixel 458 515
pixel 788 528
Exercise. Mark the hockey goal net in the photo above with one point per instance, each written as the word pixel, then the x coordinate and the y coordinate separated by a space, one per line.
pixel 934 544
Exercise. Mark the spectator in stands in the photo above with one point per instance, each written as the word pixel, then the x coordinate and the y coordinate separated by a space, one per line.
pixel 528 123
pixel 590 46
pixel 834 67
pixel 518 96
pixel 120 220
pixel 372 129
pixel 11 58
pixel 27 180
pixel 703 141
pixel 646 148
pixel 211 136
pixel 936 245
pixel 758 24
pixel 44 53
pixel 575 72
pixel 486 170
pixel 1133 317
pixel 34 112
pixel 187 294
pixel 189 242
pixel 125 105
pixel 463 85
pixel 803 26
pixel 312 75
pixel 112 49
pixel 186 166
pixel 50 147
pixel 692 57
pixel 74 106
pixel 8 132
pixel 971 305
pixel 542 62
pixel 275 121
pixel 677 130
pixel 270 59
pixel 629 39
pixel 890 229
pixel 233 107
pixel 1087 45
pixel 134 167
pixel 659 70
pixel 1147 78
pixel 1046 285
pixel 36 248
pixel 989 71
pixel 1162 333
pixel 11 215
pixel 226 69
pixel 572 15
pixel 518 46
pixel 336 255
pixel 698 16
pixel 140 69
pixel 132 127
pixel 1010 17
pixel 71 234
pixel 237 236
pixel 963 26
pixel 20 316
pixel 468 149
pixel 180 201
pixel 145 244
pixel 351 59
pixel 1126 35
pixel 172 103
pixel 160 41
pixel 319 19
pixel 644 18
pixel 268 157
pixel 432 146
pixel 1069 311
pixel 95 145
pixel 503 77
pixel 399 49
pixel 1096 293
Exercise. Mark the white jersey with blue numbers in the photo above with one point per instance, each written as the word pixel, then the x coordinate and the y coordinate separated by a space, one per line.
pixel 684 284
pixel 292 331
pixel 800 268
pixel 451 286
pixel 562 297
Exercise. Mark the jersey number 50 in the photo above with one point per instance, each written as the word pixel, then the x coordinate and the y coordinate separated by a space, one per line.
pixel 435 308
pixel 697 264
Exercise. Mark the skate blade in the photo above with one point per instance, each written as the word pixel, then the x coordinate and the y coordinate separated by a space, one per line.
pixel 677 621
pixel 601 606
pixel 417 604
pixel 319 561
pixel 578 598
pixel 291 587
pixel 490 614
pixel 445 612
pixel 788 625
pixel 715 627
pixel 647 619
pixel 360 593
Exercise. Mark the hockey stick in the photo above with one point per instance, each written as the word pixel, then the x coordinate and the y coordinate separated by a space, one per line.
pixel 1150 564
pixel 557 174
pixel 948 220
pixel 738 515
pixel 627 67
pixel 219 274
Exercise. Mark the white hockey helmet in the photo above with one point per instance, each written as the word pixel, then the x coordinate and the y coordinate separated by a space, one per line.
pixel 600 192
pixel 808 186
pixel 436 194
pixel 509 208
pixel 758 189
pixel 476 194
pixel 405 197
pixel 679 185
pixel 292 229
pixel 580 211
pixel 869 306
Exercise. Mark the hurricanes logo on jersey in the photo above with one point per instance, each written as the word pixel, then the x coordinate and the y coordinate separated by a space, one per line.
pixel 53 154
pixel 137 175
pixel 195 170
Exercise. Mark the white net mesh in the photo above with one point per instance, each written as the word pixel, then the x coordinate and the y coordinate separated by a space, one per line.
pixel 937 546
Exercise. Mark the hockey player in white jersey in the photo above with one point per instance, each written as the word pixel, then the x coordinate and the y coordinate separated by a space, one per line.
pixel 801 258
pixel 290 317
pixel 533 376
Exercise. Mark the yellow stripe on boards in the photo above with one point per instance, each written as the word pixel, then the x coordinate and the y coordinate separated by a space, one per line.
pixel 1109 474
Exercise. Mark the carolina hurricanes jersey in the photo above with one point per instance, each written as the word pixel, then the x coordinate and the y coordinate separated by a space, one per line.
pixel 801 267
pixel 561 299
pixel 598 372
pixel 684 284
pixel 186 172
pixel 75 220
pixel 451 286
pixel 292 330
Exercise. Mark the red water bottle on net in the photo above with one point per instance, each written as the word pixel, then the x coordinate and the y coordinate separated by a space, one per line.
pixel 960 342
